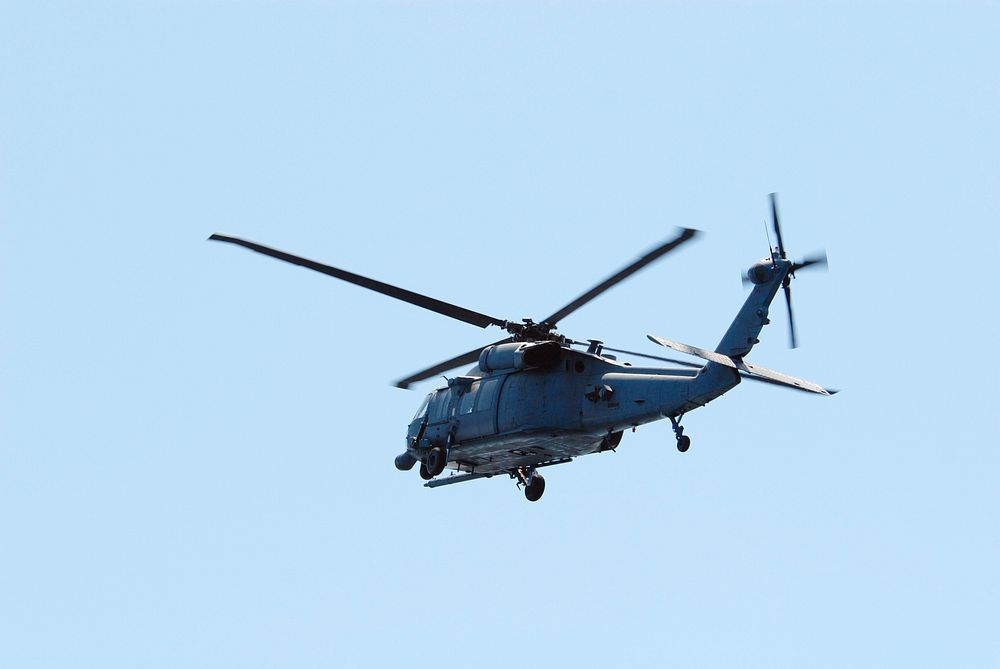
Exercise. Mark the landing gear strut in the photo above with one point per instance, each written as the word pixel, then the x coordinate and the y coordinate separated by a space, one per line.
pixel 534 484
pixel 683 441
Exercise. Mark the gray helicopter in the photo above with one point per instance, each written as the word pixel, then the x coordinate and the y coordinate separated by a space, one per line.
pixel 533 401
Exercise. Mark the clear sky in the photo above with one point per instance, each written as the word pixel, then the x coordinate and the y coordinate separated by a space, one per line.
pixel 196 442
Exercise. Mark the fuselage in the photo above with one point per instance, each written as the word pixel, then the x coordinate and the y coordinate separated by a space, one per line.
pixel 495 421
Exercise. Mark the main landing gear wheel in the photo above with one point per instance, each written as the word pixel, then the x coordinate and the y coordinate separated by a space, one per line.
pixel 536 486
pixel 683 441
pixel 435 462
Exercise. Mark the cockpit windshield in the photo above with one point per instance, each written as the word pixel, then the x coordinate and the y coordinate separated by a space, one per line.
pixel 423 408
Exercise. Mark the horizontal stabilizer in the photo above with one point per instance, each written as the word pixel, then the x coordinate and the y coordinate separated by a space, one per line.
pixel 785 379
pixel 736 363
pixel 711 356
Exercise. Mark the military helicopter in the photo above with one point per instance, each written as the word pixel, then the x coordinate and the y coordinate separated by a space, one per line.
pixel 533 401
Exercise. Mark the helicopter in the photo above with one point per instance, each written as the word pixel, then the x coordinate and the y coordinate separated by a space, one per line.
pixel 532 400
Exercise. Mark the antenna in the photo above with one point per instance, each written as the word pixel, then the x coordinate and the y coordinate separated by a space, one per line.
pixel 770 249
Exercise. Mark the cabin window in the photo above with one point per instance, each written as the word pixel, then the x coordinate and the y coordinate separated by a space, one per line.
pixel 488 394
pixel 469 399
pixel 423 407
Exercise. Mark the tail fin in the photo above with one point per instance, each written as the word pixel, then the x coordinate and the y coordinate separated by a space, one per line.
pixel 767 276
pixel 716 378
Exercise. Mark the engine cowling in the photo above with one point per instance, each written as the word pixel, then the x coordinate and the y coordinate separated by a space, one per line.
pixel 524 355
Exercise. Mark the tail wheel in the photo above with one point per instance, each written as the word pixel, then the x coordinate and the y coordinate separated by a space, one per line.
pixel 435 462
pixel 533 491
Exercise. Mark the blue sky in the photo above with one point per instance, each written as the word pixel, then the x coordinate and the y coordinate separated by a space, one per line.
pixel 196 442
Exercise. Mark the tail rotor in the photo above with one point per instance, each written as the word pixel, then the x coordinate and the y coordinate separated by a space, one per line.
pixel 816 261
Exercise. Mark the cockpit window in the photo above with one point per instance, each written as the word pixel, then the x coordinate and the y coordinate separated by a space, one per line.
pixel 439 405
pixel 423 408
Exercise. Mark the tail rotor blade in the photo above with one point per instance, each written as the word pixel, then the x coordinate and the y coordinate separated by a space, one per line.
pixel 791 318
pixel 777 225
pixel 817 261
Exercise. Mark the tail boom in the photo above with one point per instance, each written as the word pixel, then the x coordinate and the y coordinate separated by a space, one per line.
pixel 725 363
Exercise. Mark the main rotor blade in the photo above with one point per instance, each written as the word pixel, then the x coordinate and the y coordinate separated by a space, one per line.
pixel 661 250
pixel 444 308
pixel 777 225
pixel 464 359
pixel 682 363
pixel 791 318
